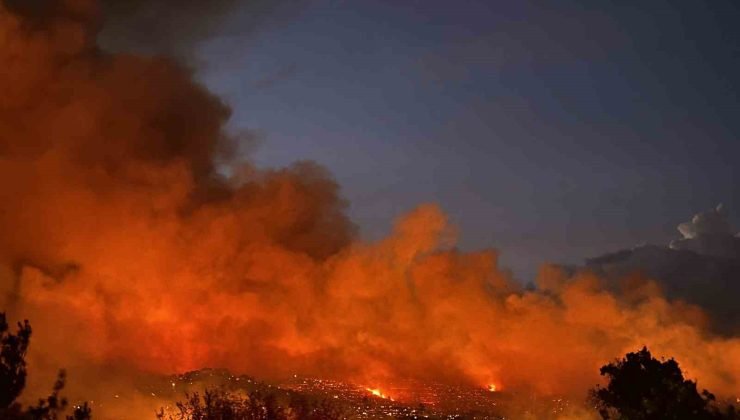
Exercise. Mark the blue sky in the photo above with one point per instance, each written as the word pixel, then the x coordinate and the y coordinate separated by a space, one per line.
pixel 550 131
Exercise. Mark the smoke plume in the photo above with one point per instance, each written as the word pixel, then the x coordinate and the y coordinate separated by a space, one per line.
pixel 168 27
pixel 129 251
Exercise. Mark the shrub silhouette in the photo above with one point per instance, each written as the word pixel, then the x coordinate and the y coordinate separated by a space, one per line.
pixel 13 348
pixel 644 388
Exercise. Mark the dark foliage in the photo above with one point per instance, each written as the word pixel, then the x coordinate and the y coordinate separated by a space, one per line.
pixel 12 361
pixel 644 388
pixel 52 407
pixel 217 404
pixel 13 380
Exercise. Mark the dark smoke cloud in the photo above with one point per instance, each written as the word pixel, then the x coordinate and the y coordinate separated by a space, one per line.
pixel 170 27
pixel 173 26
pixel 703 267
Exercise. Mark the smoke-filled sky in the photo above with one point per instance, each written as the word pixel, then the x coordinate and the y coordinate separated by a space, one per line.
pixel 166 231
pixel 551 130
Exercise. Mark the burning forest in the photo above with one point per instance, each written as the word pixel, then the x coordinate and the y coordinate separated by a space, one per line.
pixel 140 243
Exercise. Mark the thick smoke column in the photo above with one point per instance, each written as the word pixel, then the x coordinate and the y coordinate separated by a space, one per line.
pixel 119 232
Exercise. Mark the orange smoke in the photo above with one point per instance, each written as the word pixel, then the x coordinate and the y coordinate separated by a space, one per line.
pixel 121 231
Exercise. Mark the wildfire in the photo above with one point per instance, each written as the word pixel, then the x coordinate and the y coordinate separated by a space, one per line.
pixel 376 392
pixel 492 387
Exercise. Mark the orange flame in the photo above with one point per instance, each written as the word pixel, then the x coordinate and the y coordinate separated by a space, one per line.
pixel 376 392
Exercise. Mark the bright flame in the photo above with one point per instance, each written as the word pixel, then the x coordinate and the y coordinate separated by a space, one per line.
pixel 376 392
pixel 492 387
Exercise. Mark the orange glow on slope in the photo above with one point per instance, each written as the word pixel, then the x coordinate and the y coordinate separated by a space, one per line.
pixel 377 392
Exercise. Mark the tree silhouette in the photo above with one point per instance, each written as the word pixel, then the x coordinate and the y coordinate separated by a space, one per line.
pixel 12 361
pixel 13 348
pixel 644 388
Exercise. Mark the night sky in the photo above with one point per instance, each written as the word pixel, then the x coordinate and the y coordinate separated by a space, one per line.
pixel 552 131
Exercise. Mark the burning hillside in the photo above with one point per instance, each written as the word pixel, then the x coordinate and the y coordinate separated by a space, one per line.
pixel 131 251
